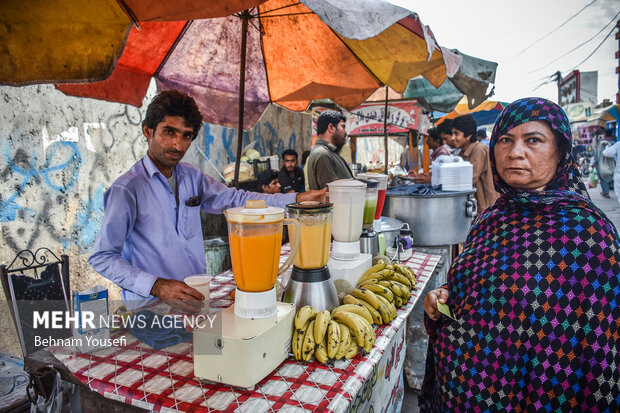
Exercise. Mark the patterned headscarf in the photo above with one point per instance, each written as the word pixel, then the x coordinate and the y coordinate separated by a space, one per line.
pixel 525 110
pixel 536 294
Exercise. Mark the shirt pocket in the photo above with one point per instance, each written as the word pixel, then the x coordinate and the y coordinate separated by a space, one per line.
pixel 191 221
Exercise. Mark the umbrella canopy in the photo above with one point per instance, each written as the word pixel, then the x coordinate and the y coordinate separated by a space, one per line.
pixel 471 80
pixel 485 113
pixel 296 52
pixel 48 41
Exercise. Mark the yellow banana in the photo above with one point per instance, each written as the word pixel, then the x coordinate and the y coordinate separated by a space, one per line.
pixel 320 325
pixel 399 302
pixel 375 268
pixel 386 273
pixel 355 323
pixel 389 306
pixel 355 308
pixel 381 290
pixel 349 299
pixel 385 313
pixel 307 348
pixel 405 292
pixel 367 295
pixel 401 279
pixel 298 340
pixel 376 315
pixel 351 351
pixel 393 286
pixel 294 346
pixel 369 334
pixel 400 268
pixel 345 341
pixel 321 353
pixel 304 314
pixel 368 281
pixel 333 338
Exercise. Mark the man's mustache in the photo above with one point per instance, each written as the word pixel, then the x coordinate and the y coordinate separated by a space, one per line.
pixel 174 152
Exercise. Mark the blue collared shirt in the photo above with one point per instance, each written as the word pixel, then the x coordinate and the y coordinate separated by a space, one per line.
pixel 145 235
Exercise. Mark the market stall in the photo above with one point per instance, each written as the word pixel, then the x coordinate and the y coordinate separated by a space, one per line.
pixel 163 380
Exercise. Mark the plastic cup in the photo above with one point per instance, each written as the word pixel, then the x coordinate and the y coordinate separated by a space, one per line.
pixel 200 283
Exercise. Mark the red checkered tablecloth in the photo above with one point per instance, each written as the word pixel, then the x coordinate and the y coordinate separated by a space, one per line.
pixel 163 380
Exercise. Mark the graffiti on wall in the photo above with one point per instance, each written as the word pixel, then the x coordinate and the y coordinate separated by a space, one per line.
pixel 55 170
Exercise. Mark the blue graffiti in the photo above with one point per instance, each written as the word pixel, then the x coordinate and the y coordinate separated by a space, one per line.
pixel 9 207
pixel 86 224
pixel 209 139
pixel 227 138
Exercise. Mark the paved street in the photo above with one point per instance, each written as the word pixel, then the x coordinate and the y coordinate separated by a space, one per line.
pixel 609 206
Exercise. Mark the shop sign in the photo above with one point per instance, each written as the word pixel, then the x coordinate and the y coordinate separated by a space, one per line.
pixel 368 118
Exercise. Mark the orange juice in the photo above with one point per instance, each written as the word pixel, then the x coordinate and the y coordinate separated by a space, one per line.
pixel 255 257
pixel 314 242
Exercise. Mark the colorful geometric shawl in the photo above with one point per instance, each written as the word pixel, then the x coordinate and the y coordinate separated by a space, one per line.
pixel 536 295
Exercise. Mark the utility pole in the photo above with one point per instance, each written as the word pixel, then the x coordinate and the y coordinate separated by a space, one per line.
pixel 618 57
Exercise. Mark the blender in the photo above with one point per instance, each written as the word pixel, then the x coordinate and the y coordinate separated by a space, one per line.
pixel 369 242
pixel 346 261
pixel 310 282
pixel 381 192
pixel 256 330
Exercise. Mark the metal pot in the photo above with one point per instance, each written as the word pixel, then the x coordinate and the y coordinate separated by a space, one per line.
pixel 442 218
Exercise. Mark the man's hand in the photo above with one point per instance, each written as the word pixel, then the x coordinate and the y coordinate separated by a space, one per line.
pixel 179 294
pixel 420 178
pixel 430 302
pixel 314 195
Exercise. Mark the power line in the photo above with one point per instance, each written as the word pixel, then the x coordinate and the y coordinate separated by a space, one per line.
pixel 575 48
pixel 561 25
pixel 594 51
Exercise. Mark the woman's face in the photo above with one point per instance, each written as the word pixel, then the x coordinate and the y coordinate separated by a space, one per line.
pixel 527 156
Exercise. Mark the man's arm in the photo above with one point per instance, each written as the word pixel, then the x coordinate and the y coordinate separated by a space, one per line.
pixel 118 220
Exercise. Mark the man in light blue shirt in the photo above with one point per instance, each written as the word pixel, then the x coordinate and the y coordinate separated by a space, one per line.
pixel 151 236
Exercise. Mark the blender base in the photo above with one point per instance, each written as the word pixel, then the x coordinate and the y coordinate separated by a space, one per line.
pixel 243 351
pixel 349 270
pixel 311 287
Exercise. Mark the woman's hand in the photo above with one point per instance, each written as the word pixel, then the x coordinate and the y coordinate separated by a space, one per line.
pixel 430 302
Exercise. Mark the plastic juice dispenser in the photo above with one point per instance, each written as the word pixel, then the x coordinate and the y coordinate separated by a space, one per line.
pixel 248 340
pixel 369 242
pixel 346 261
pixel 310 282
pixel 381 191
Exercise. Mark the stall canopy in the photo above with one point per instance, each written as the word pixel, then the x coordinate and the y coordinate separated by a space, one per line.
pixel 472 80
pixel 485 113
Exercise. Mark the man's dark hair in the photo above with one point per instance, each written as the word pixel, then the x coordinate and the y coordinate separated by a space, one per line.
pixel 304 157
pixel 481 134
pixel 609 133
pixel 290 152
pixel 329 117
pixel 433 133
pixel 265 177
pixel 173 103
pixel 445 127
pixel 466 124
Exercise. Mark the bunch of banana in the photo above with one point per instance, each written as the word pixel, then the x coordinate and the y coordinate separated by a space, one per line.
pixel 390 284
pixel 334 335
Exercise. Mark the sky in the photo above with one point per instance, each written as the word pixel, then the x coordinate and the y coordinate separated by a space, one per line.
pixel 499 30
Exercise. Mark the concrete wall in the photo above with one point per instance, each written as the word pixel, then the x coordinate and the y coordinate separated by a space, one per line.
pixel 59 154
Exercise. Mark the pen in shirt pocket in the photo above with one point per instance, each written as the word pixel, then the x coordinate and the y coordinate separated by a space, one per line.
pixel 193 201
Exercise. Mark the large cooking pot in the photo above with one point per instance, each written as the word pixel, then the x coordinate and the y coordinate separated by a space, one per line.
pixel 441 218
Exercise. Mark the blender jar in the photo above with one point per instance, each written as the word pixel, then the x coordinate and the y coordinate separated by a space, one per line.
pixel 255 238
pixel 348 196
pixel 370 202
pixel 382 188
pixel 315 221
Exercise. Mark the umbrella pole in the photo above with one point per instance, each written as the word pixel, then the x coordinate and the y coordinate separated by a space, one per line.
pixel 385 130
pixel 244 34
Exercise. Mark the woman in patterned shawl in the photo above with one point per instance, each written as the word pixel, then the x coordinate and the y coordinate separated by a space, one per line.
pixel 535 292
